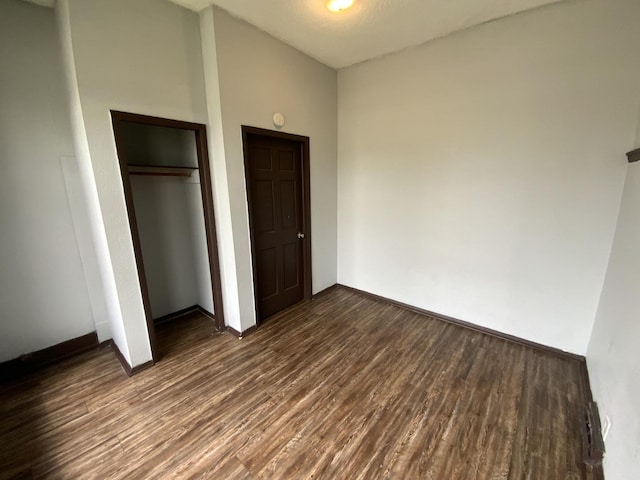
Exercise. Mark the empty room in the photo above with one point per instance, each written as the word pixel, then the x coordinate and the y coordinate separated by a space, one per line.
pixel 329 239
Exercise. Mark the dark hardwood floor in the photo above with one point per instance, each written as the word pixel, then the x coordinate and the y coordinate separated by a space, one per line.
pixel 342 387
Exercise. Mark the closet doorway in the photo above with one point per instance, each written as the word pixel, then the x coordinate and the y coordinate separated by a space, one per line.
pixel 167 185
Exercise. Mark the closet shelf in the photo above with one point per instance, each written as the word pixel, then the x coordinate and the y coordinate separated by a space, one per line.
pixel 161 171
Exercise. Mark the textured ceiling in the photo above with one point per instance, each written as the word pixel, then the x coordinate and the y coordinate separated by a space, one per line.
pixel 369 29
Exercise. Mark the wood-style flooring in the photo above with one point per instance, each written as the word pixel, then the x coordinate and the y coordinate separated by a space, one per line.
pixel 342 387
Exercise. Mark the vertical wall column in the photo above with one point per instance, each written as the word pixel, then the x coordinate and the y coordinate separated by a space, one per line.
pixel 228 265
pixel 105 285
pixel 77 193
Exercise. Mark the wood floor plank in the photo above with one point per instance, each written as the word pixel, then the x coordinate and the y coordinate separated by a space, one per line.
pixel 341 387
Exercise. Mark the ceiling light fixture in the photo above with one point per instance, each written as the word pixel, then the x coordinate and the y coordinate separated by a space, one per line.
pixel 336 6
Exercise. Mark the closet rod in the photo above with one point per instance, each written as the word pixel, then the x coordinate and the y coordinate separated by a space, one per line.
pixel 161 171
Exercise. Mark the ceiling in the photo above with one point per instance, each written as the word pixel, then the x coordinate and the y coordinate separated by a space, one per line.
pixel 369 29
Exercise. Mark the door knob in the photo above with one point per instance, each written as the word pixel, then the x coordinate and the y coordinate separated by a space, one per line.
pixel 300 235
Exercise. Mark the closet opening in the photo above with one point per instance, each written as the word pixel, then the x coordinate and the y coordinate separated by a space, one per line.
pixel 167 185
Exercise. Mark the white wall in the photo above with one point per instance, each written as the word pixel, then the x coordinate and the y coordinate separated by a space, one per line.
pixel 162 214
pixel 198 245
pixel 480 174
pixel 221 189
pixel 613 359
pixel 141 57
pixel 82 226
pixel 92 239
pixel 259 76
pixel 44 297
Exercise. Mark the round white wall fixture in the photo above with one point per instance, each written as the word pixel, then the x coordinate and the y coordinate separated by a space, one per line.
pixel 278 120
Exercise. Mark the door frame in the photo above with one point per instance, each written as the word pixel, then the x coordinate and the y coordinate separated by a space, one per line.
pixel 303 143
pixel 204 171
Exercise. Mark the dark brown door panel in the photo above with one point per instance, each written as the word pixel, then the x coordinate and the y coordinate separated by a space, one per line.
pixel 275 174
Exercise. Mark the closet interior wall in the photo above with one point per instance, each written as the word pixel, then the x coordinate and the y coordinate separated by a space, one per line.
pixel 170 217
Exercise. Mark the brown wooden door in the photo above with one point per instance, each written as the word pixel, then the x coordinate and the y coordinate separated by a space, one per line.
pixel 275 194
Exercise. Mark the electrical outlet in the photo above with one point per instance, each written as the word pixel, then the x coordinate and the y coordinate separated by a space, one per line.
pixel 606 426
